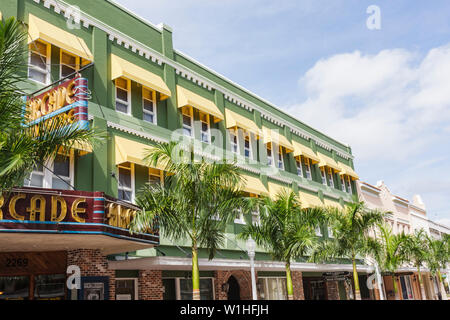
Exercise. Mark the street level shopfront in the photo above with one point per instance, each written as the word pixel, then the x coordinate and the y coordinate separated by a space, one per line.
pixel 46 235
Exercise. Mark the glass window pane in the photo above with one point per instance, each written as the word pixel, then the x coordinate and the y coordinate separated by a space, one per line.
pixel 186 120
pixel 68 59
pixel 125 289
pixel 121 107
pixel 148 105
pixel 66 71
pixel 187 131
pixel 124 178
pixel 169 289
pixel 38 61
pixel 50 287
pixel 38 76
pixel 61 166
pixel 148 117
pixel 124 195
pixel 39 47
pixel 122 94
pixel 14 288
pixel 63 184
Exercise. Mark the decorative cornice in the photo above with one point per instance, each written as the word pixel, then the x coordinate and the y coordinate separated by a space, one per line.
pixel 135 46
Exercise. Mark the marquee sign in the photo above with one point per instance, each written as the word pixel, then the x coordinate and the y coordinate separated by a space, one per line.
pixel 47 210
pixel 68 100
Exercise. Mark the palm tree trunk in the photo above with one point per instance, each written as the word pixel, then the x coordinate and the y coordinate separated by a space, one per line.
pixel 422 288
pixel 290 288
pixel 356 280
pixel 396 293
pixel 195 273
pixel 441 286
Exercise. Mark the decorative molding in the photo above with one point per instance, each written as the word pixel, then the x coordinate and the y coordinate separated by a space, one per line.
pixel 135 46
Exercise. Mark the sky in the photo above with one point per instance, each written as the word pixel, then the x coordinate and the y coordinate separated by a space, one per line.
pixel 385 92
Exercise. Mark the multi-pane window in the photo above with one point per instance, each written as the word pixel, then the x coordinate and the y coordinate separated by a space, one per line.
pixel 123 95
pixel 39 62
pixel 125 182
pixel 205 134
pixel 330 177
pixel 61 173
pixel 323 176
pixel 269 155
pixel 181 289
pixel 298 162
pixel 149 105
pixel 36 178
pixel 187 121
pixel 69 64
pixel 154 176
pixel 272 288
pixel 247 146
pixel 280 162
pixel 307 168
pixel 234 141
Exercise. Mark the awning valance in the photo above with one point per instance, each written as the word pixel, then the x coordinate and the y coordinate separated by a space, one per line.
pixel 302 150
pixel 40 29
pixel 254 185
pixel 276 189
pixel 131 151
pixel 329 162
pixel 234 119
pixel 345 169
pixel 273 136
pixel 308 200
pixel 189 98
pixel 122 68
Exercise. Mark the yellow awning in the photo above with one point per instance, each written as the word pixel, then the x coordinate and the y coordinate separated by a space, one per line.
pixel 234 119
pixel 274 136
pixel 275 189
pixel 302 150
pixel 40 29
pixel 308 200
pixel 254 185
pixel 348 171
pixel 189 98
pixel 84 147
pixel 132 151
pixel 329 162
pixel 122 68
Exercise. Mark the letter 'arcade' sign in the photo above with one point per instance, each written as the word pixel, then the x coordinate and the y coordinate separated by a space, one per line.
pixel 69 100
pixel 49 211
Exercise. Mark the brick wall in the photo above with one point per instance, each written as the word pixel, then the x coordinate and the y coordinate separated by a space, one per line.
pixel 92 263
pixel 244 279
pixel 150 285
pixel 332 290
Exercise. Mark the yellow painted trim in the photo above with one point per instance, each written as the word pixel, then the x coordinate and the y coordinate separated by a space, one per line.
pixel 326 161
pixel 122 68
pixel 347 170
pixel 275 189
pixel 40 29
pixel 302 150
pixel 189 98
pixel 253 185
pixel 234 119
pixel 273 136
pixel 131 151
pixel 308 200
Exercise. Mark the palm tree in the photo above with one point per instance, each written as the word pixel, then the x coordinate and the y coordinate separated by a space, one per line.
pixel 351 229
pixel 196 201
pixel 389 250
pixel 286 230
pixel 437 257
pixel 416 250
pixel 23 147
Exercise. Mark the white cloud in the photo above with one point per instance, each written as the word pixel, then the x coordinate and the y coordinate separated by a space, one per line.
pixel 393 108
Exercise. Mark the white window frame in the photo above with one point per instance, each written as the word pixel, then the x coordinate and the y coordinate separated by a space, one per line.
pixel 280 159
pixel 349 185
pixel 240 217
pixel 160 176
pixel 177 286
pixel 61 64
pixel 318 231
pixel 270 159
pixel 249 149
pixel 127 103
pixel 308 169
pixel 144 111
pixel 330 233
pixel 47 181
pixel 208 124
pixel 330 177
pixel 190 114
pixel 298 163
pixel 136 283
pixel 234 145
pixel 343 183
pixel 47 71
pixel 323 175
pixel 133 187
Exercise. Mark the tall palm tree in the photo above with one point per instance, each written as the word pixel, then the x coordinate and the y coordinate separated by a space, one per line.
pixel 416 250
pixel 437 258
pixel 22 147
pixel 195 202
pixel 351 229
pixel 389 250
pixel 286 230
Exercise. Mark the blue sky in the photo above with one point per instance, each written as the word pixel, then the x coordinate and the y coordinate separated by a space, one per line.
pixel 385 92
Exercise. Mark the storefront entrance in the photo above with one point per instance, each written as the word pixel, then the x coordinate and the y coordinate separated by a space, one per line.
pixel 234 291
pixel 33 276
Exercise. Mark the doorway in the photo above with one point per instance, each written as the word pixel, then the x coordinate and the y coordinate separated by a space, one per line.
pixel 234 291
